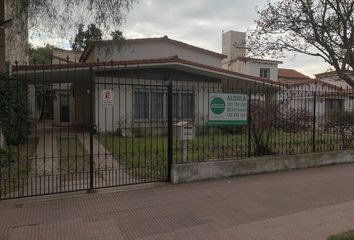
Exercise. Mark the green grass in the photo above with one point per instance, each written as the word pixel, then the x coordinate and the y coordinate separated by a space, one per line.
pixel 73 158
pixel 142 157
pixel 16 166
pixel 343 236
pixel 150 152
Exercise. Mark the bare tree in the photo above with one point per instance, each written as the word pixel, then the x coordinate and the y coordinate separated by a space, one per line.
pixel 48 16
pixel 322 28
pixel 66 11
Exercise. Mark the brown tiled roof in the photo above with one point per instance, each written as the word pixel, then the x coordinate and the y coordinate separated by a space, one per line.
pixel 291 74
pixel 309 81
pixel 90 46
pixel 319 75
pixel 172 59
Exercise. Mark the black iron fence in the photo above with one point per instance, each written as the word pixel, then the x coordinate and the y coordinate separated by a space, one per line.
pixel 71 127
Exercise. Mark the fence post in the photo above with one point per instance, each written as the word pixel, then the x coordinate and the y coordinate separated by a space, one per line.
pixel 92 127
pixel 169 130
pixel 314 123
pixel 249 122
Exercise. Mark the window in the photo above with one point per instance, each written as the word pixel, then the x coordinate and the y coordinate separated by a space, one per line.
pixel 334 105
pixel 183 105
pixel 187 105
pixel 152 105
pixel 157 102
pixel 264 73
pixel 175 105
pixel 141 106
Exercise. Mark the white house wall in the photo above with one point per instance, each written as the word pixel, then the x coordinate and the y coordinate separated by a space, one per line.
pixel 348 104
pixel 252 68
pixel 32 102
pixel 238 66
pixel 305 93
pixel 152 50
pixel 334 81
pixel 121 115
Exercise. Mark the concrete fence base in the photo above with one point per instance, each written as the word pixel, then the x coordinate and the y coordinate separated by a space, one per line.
pixel 189 172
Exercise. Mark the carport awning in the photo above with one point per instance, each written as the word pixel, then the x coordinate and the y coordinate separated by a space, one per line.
pixel 80 72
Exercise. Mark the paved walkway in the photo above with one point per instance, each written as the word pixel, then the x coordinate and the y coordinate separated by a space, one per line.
pixel 44 174
pixel 110 173
pixel 306 204
pixel 46 159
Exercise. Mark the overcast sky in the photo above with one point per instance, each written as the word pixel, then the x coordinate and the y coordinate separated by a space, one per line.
pixel 200 22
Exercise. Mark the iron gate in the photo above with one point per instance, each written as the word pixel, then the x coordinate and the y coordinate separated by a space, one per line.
pixel 75 129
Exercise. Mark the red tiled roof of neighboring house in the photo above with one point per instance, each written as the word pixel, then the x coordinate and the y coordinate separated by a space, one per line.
pixel 250 59
pixel 291 74
pixel 88 49
pixel 325 74
pixel 309 81
pixel 172 59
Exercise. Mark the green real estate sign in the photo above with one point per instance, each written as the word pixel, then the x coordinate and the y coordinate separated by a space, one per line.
pixel 227 109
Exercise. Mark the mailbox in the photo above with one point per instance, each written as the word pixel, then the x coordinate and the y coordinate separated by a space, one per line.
pixel 185 131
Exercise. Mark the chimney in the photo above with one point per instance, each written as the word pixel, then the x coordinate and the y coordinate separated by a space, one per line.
pixel 234 44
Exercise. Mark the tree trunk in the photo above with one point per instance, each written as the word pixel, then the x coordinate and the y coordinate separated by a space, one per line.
pixel 2 37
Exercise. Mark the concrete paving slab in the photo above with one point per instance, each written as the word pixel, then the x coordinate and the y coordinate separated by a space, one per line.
pixel 305 204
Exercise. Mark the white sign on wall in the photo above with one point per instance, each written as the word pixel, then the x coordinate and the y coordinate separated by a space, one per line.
pixel 228 109
pixel 107 97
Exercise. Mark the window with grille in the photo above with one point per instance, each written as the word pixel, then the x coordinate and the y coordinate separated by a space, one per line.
pixel 264 73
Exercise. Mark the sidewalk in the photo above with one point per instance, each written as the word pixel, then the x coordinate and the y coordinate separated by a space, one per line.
pixel 305 204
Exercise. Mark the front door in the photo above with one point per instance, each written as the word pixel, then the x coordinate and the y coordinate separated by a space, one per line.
pixel 64 109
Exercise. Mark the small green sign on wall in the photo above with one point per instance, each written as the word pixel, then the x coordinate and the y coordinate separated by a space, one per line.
pixel 227 109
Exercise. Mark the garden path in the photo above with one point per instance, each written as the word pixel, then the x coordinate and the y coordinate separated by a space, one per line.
pixel 110 171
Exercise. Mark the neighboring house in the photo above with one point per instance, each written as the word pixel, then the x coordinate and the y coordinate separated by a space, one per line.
pixel 148 48
pixel 63 102
pixel 328 98
pixel 332 78
pixel 65 56
pixel 234 47
pixel 291 76
pixel 300 93
pixel 137 73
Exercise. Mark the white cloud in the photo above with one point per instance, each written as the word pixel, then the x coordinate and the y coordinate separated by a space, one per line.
pixel 197 22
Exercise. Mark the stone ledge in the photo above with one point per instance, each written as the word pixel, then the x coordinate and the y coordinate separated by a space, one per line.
pixel 189 172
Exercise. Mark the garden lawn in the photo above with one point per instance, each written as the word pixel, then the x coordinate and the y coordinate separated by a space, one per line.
pixel 150 152
pixel 343 236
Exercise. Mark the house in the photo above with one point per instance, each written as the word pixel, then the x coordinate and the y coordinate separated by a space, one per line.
pixel 291 76
pixel 148 48
pixel 332 78
pixel 62 56
pixel 299 92
pixel 317 98
pixel 234 47
pixel 136 75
